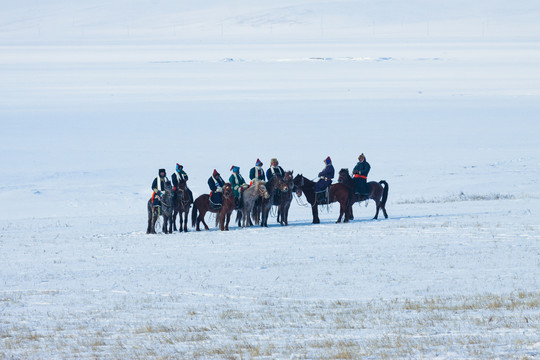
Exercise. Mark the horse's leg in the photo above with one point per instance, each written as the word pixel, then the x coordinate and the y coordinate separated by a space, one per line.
pixel 286 213
pixel 148 228
pixel 378 206
pixel 315 211
pixel 228 220
pixel 186 220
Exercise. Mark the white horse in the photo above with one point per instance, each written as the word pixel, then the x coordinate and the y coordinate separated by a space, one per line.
pixel 249 196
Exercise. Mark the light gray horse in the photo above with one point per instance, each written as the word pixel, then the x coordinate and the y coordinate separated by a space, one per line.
pixel 249 196
pixel 165 210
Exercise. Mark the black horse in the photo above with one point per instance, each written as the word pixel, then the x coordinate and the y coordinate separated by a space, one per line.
pixel 182 205
pixel 378 192
pixel 286 199
pixel 165 210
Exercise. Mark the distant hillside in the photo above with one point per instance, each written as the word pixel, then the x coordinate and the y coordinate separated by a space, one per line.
pixel 278 20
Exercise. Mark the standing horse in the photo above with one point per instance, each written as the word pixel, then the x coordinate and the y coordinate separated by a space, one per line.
pixel 181 206
pixel 338 192
pixel 165 210
pixel 256 191
pixel 276 183
pixel 286 199
pixel 377 193
pixel 223 214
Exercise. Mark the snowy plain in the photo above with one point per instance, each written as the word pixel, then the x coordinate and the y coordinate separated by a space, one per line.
pixel 444 100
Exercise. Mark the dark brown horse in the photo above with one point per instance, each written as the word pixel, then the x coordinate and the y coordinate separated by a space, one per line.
pixel 276 183
pixel 182 205
pixel 378 192
pixel 338 192
pixel 286 198
pixel 223 214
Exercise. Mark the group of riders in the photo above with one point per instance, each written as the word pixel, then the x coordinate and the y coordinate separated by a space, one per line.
pixel 256 173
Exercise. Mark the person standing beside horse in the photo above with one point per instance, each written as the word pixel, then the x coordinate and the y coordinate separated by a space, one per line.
pixel 180 175
pixel 238 185
pixel 216 183
pixel 158 186
pixel 325 179
pixel 256 172
pixel 360 173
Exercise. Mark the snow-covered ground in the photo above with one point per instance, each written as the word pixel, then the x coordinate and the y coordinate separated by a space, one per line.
pixel 443 100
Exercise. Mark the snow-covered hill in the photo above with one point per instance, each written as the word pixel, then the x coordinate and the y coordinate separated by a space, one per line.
pixel 242 20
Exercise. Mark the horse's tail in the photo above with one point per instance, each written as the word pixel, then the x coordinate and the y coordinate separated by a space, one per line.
pixel 194 215
pixel 385 192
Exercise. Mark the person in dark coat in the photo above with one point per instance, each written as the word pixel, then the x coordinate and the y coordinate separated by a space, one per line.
pixel 274 169
pixel 325 176
pixel 158 186
pixel 180 175
pixel 360 173
pixel 257 172
pixel 216 183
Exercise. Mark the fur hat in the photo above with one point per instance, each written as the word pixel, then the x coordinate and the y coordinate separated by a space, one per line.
pixel 235 169
pixel 274 160
pixel 162 171
pixel 215 173
pixel 258 163
pixel 361 157
pixel 328 161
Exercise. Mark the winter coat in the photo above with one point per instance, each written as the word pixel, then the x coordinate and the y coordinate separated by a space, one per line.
pixel 237 181
pixel 217 196
pixel 327 174
pixel 159 186
pixel 362 168
pixel 178 176
pixel 257 173
pixel 276 171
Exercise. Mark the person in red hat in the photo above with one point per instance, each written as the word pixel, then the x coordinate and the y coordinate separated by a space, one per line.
pixel 256 172
pixel 216 183
pixel 325 179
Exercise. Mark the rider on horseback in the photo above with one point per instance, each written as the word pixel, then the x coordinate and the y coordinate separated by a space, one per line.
pixel 180 175
pixel 360 173
pixel 238 185
pixel 325 179
pixel 275 170
pixel 257 172
pixel 158 186
pixel 216 183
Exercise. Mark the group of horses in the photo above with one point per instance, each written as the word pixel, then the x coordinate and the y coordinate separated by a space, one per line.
pixel 258 200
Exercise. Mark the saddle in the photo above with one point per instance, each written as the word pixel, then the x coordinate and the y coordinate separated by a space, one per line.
pixel 214 206
pixel 323 197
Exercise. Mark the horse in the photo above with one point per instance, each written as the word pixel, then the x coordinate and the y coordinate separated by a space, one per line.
pixel 338 192
pixel 165 210
pixel 223 214
pixel 256 191
pixel 286 199
pixel 378 192
pixel 276 183
pixel 181 206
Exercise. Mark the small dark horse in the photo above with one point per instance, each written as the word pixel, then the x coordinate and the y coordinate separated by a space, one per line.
pixel 165 210
pixel 181 206
pixel 276 183
pixel 338 192
pixel 202 206
pixel 377 193
pixel 286 198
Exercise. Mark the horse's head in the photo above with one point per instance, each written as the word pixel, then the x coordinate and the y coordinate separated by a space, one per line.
pixel 182 185
pixel 298 184
pixel 261 189
pixel 168 186
pixel 280 184
pixel 343 175
pixel 227 190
